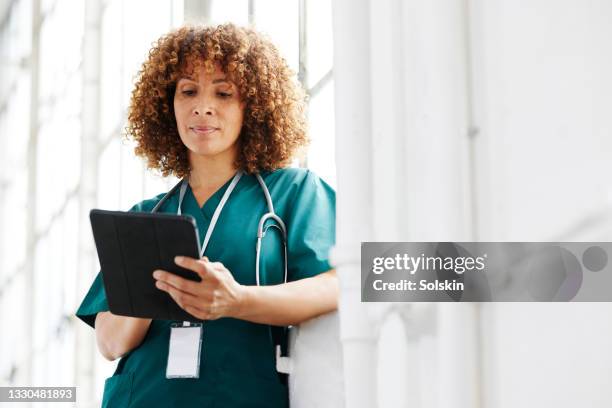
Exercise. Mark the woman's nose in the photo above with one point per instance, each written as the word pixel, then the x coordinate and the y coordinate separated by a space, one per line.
pixel 204 107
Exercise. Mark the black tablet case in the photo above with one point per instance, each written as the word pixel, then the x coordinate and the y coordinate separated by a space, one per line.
pixel 131 245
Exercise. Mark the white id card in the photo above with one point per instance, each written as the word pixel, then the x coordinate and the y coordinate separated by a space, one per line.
pixel 184 350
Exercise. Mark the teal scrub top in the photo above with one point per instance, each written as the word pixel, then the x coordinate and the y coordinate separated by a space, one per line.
pixel 237 366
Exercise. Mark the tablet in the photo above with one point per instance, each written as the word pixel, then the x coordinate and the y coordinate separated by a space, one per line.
pixel 131 245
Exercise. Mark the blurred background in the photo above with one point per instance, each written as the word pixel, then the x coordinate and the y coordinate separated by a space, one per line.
pixel 436 120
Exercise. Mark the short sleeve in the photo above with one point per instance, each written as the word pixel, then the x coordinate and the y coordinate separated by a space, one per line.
pixel 311 228
pixel 95 299
pixel 94 302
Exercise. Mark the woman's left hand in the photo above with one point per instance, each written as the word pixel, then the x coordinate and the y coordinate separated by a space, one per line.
pixel 216 295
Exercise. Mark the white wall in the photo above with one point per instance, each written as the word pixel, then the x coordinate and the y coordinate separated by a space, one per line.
pixel 544 93
pixel 529 80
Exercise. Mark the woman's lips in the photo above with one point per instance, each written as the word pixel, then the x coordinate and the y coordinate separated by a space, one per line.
pixel 203 130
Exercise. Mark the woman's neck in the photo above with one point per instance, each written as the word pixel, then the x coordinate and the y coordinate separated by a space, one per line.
pixel 210 173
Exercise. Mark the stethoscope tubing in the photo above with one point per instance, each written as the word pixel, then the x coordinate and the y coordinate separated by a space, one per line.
pixel 261 227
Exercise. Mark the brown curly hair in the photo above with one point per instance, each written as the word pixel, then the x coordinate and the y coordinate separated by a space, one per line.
pixel 274 125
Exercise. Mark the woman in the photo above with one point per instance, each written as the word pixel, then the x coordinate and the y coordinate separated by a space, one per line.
pixel 213 105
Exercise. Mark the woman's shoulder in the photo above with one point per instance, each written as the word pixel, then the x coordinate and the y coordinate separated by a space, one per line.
pixel 148 204
pixel 297 183
pixel 291 176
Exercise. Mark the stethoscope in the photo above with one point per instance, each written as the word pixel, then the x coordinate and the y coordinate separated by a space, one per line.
pixel 262 228
pixel 278 334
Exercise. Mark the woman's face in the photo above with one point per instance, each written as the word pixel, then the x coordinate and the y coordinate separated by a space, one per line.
pixel 208 114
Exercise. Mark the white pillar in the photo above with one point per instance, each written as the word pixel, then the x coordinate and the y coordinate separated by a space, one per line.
pixel 32 155
pixel 354 202
pixel 401 77
pixel 458 348
pixel 87 194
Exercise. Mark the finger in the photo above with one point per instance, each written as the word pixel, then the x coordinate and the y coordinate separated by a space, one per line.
pixel 178 282
pixel 209 269
pixel 181 298
pixel 213 267
pixel 195 265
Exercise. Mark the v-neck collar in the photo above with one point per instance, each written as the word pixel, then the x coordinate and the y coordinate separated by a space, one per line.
pixel 203 215
pixel 209 206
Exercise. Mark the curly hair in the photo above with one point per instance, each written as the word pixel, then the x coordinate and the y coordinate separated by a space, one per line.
pixel 274 125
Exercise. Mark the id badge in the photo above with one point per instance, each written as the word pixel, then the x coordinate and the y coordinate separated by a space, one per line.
pixel 184 350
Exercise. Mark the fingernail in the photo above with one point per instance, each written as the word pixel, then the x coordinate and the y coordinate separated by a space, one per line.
pixel 178 259
pixel 156 274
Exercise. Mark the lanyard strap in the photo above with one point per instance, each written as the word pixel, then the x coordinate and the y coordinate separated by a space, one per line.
pixel 217 212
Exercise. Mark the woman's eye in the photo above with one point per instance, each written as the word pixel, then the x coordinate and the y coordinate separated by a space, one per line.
pixel 188 92
pixel 224 94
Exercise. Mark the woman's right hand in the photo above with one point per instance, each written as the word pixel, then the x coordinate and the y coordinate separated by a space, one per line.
pixel 118 335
